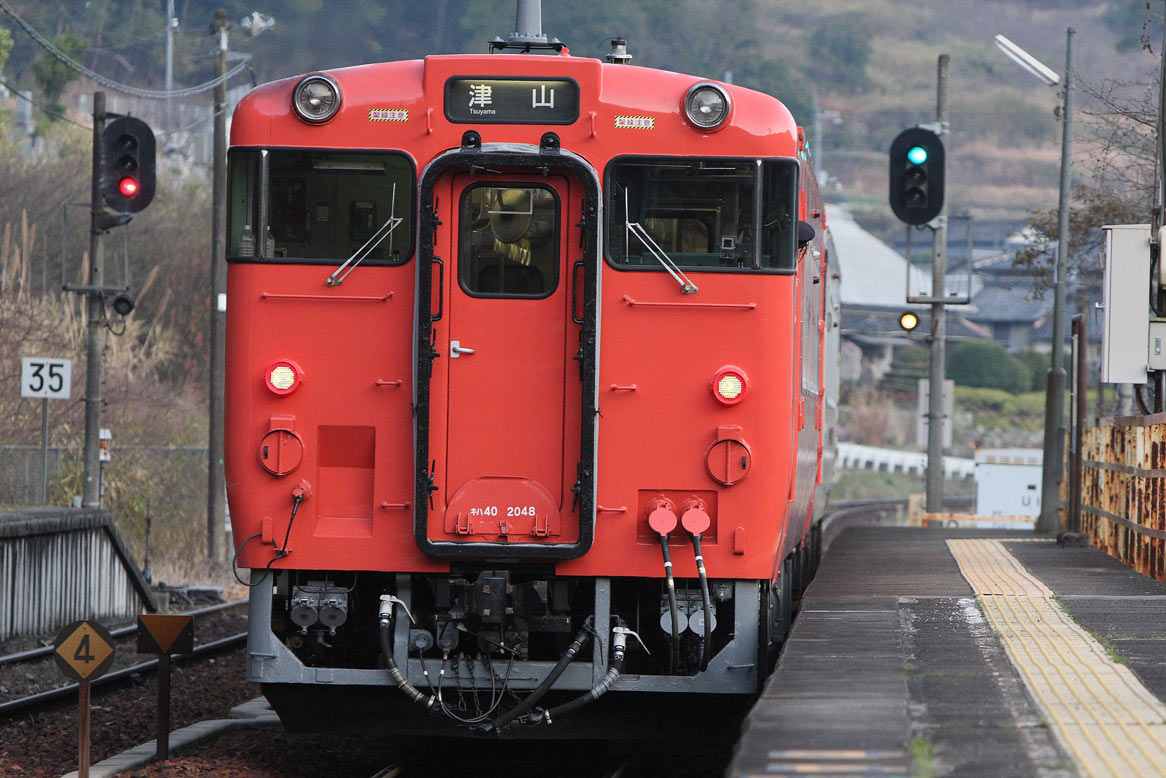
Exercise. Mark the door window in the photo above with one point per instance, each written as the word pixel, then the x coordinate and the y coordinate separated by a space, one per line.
pixel 509 241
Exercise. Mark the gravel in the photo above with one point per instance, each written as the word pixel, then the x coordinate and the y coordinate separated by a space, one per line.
pixel 44 745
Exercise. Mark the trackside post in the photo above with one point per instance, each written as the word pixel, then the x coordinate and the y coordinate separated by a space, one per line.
pixel 164 635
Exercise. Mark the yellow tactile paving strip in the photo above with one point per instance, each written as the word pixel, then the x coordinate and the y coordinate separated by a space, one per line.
pixel 1099 711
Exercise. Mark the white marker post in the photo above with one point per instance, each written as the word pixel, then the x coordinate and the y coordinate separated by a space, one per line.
pixel 48 378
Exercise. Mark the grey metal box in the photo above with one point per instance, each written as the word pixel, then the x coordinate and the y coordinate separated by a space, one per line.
pixel 1157 358
pixel 1126 326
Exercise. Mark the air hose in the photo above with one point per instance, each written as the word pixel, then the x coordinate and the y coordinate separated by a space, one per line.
pixel 663 521
pixel 706 649
pixel 507 718
pixel 696 521
pixel 386 636
pixel 619 644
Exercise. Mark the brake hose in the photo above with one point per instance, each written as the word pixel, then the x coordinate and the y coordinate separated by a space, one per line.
pixel 619 643
pixel 386 636
pixel 560 667
pixel 696 521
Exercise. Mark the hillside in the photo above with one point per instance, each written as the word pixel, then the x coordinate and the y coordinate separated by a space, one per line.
pixel 870 64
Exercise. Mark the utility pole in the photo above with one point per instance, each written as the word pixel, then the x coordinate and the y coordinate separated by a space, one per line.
pixel 1054 466
pixel 95 333
pixel 169 63
pixel 935 404
pixel 1160 219
pixel 216 494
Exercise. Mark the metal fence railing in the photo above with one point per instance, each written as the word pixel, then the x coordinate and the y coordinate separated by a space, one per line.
pixel 62 564
pixel 1123 490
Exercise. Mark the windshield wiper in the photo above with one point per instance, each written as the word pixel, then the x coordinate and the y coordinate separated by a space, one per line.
pixel 635 228
pixel 383 232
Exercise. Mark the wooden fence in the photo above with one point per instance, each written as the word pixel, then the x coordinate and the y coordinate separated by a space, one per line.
pixel 1123 494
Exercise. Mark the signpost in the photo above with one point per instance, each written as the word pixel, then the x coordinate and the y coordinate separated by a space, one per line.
pixel 48 378
pixel 164 635
pixel 83 651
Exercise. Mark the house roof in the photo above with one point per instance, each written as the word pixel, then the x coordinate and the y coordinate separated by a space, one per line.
pixel 1009 303
pixel 873 273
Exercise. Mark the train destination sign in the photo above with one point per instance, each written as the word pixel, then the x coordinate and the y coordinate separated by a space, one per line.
pixel 470 100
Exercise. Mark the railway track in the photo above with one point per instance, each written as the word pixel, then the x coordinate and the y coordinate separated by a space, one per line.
pixel 852 513
pixel 605 766
pixel 31 703
pixel 121 632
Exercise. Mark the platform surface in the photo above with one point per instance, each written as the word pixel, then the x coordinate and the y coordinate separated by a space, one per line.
pixel 896 666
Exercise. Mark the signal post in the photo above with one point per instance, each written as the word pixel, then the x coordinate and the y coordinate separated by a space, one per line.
pixel 918 163
pixel 938 344
pixel 95 303
pixel 122 180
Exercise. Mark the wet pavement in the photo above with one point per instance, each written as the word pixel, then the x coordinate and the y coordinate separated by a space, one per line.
pixel 893 669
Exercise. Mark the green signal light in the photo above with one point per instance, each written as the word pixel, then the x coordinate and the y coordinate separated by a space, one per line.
pixel 917 155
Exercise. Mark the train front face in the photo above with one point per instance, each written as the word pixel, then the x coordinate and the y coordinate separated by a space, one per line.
pixel 496 325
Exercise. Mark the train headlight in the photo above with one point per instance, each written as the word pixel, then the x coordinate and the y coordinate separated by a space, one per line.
pixel 283 377
pixel 730 385
pixel 316 98
pixel 707 106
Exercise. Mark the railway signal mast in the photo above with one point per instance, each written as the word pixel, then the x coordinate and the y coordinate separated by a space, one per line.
pixel 122 184
pixel 917 169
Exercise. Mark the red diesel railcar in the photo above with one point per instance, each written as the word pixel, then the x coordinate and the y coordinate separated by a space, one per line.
pixel 512 341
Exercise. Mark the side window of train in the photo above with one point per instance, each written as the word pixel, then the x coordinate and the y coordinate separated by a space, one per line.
pixel 321 205
pixel 509 241
pixel 703 213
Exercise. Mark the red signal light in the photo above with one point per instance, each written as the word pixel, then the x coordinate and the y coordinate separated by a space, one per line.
pixel 128 186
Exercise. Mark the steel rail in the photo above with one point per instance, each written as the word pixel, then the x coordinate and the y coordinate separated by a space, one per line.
pixel 36 653
pixel 41 698
pixel 842 510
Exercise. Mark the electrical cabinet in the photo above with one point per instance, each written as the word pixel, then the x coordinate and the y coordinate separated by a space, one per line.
pixel 1125 336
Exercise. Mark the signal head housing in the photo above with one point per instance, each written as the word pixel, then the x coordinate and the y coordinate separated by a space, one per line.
pixel 917 171
pixel 127 164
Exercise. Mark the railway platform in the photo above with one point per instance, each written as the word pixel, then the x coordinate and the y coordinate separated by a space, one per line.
pixel 939 652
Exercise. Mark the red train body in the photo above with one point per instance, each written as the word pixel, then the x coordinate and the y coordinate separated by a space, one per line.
pixel 568 322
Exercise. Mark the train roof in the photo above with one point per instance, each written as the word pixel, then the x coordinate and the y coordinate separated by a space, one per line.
pixel 407 105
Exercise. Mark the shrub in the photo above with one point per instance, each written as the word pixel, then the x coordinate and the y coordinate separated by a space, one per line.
pixel 984 363
pixel 1038 365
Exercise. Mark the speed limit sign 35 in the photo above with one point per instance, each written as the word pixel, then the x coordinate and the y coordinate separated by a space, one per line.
pixel 46 377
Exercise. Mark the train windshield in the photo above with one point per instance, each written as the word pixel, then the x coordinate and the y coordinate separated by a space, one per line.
pixel 704 213
pixel 320 205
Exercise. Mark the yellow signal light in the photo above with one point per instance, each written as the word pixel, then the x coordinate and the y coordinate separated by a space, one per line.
pixel 908 320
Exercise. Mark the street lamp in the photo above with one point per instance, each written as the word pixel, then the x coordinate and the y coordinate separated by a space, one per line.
pixel 1053 467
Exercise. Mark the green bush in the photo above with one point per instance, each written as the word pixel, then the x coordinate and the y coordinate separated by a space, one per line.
pixel 999 409
pixel 1038 365
pixel 984 363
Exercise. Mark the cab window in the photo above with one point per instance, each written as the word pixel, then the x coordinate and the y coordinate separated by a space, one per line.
pixel 320 205
pixel 705 214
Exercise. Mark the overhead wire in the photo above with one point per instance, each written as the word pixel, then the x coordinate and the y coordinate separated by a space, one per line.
pixel 109 83
pixel 49 111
